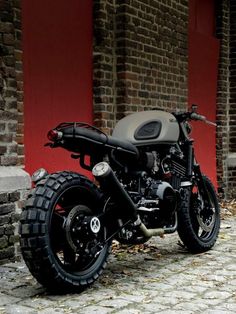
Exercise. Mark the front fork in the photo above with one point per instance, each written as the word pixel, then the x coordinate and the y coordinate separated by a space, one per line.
pixel 203 190
pixel 193 169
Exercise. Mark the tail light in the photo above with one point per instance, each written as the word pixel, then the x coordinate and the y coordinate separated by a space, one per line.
pixel 54 135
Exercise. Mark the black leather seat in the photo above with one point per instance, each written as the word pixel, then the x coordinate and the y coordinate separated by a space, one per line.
pixel 123 144
pixel 85 139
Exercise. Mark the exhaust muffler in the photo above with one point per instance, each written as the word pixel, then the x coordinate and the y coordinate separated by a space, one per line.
pixel 109 182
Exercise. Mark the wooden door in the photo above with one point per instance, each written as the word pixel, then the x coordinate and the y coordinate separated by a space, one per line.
pixel 57 46
pixel 202 80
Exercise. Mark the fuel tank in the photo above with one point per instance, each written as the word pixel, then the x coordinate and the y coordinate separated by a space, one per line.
pixel 148 127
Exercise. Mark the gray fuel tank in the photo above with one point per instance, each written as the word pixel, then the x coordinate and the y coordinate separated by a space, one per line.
pixel 148 127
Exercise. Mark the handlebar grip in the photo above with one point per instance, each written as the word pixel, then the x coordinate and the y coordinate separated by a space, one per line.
pixel 195 116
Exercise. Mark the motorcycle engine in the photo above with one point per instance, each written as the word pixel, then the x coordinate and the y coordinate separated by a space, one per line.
pixel 158 206
pixel 155 189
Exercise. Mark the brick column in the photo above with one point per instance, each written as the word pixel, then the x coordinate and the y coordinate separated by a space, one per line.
pixel 140 57
pixel 152 62
pixel 222 32
pixel 226 98
pixel 231 160
pixel 104 64
pixel 13 180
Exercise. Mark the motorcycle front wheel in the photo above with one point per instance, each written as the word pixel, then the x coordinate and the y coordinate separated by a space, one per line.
pixel 62 236
pixel 198 218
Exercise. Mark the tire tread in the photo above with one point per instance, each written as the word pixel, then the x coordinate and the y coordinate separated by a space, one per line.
pixel 34 239
pixel 185 228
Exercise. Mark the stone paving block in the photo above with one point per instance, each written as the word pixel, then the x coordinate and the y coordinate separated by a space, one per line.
pixel 220 295
pixel 115 303
pixel 133 311
pixel 18 309
pixel 230 307
pixel 153 307
pixel 175 312
pixel 38 303
pixel 219 311
pixel 54 310
pixel 200 307
pixel 5 299
pixel 93 309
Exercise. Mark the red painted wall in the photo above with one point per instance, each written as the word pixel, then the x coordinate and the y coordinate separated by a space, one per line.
pixel 202 84
pixel 57 45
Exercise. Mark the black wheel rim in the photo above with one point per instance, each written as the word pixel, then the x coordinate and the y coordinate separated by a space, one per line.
pixel 74 259
pixel 203 215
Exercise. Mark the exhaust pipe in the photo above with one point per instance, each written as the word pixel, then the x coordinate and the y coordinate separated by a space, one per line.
pixel 109 182
pixel 148 233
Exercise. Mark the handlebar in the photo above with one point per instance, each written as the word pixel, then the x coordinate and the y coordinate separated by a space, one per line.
pixel 196 116
pixel 192 115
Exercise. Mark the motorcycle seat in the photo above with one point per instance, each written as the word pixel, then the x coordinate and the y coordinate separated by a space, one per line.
pixel 80 138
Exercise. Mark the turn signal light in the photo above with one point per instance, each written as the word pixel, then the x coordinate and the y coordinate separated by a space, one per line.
pixel 54 135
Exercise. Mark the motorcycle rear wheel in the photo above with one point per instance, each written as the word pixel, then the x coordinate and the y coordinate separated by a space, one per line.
pixel 198 226
pixel 57 243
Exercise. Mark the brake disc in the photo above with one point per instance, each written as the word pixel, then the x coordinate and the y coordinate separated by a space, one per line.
pixel 72 223
pixel 205 223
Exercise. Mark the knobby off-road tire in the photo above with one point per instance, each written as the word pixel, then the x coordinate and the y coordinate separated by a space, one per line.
pixel 198 234
pixel 46 246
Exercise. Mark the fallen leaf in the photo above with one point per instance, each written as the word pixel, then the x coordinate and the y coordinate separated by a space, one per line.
pixel 228 208
pixel 126 272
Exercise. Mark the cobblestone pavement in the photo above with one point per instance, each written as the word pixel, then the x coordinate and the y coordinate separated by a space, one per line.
pixel 162 278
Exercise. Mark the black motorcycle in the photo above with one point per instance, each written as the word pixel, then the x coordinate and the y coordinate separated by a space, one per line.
pixel 146 183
